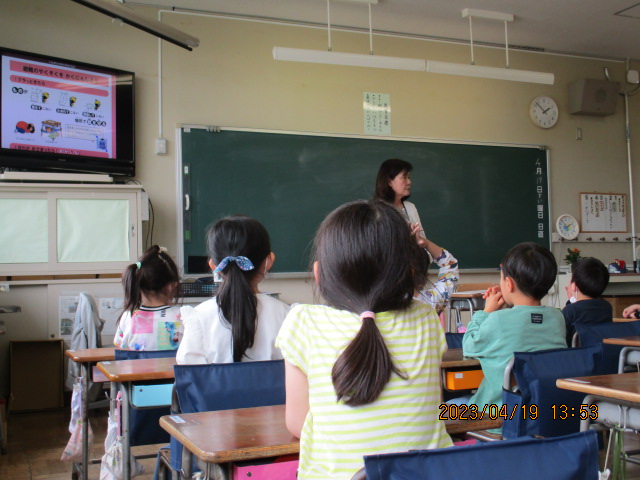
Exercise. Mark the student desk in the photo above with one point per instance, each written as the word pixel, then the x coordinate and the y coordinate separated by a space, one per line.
pixel 471 299
pixel 222 437
pixel 624 341
pixel 86 358
pixel 618 386
pixel 124 373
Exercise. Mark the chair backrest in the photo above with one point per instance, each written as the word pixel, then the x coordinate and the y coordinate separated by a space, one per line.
pixel 561 458
pixel 537 407
pixel 454 339
pixel 591 334
pixel 144 426
pixel 222 386
pixel 143 354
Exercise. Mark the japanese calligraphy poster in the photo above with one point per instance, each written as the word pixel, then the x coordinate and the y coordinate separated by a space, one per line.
pixel 604 212
pixel 377 113
pixel 57 108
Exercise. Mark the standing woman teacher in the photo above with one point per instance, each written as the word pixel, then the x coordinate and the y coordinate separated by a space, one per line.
pixel 393 185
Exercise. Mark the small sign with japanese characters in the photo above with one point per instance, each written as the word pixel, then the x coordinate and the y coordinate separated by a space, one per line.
pixel 377 113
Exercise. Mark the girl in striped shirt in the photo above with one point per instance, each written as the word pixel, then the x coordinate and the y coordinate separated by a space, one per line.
pixel 362 372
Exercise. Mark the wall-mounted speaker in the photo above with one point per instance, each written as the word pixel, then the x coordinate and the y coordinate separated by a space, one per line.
pixel 589 96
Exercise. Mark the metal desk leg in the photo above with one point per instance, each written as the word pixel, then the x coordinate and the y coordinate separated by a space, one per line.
pixel 86 372
pixel 124 426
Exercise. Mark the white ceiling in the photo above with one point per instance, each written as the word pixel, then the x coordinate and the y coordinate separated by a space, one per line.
pixel 596 28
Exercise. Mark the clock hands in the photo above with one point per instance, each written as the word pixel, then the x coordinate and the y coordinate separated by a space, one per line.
pixel 543 110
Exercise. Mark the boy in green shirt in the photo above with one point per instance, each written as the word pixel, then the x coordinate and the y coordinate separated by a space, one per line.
pixel 527 273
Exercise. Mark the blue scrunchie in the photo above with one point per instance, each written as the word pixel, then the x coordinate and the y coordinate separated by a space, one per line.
pixel 243 263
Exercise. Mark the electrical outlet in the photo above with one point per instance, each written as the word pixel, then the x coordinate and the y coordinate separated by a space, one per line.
pixel 4 287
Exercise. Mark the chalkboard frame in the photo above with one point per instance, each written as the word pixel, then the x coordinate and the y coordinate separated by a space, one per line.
pixel 184 164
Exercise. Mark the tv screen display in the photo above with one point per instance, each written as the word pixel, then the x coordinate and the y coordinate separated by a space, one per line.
pixel 67 116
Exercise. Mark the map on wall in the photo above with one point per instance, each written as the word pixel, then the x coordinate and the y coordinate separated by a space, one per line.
pixel 604 212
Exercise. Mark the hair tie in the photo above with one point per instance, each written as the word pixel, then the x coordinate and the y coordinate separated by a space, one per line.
pixel 243 263
pixel 139 265
pixel 162 249
pixel 367 314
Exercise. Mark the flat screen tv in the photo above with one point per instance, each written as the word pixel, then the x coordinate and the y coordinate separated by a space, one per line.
pixel 65 116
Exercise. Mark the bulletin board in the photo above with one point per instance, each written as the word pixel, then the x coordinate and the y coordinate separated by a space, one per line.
pixel 604 212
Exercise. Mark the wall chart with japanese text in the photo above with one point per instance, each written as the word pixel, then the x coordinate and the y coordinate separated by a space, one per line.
pixel 477 201
pixel 604 212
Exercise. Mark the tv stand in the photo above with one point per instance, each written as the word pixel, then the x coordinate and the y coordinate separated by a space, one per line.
pixel 55 177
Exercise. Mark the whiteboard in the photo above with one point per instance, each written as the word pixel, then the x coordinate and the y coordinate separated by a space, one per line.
pixel 603 212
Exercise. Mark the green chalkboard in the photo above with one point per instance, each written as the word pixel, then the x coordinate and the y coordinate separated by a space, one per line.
pixel 475 200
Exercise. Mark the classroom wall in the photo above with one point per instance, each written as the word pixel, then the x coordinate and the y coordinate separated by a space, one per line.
pixel 232 80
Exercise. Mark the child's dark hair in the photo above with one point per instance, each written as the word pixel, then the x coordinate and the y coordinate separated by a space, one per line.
pixel 367 261
pixel 532 267
pixel 388 171
pixel 234 236
pixel 590 276
pixel 150 275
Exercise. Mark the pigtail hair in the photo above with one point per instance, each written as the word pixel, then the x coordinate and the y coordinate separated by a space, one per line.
pixel 151 274
pixel 131 289
pixel 238 302
pixel 366 356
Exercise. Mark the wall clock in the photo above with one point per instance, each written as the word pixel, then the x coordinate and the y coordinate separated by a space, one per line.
pixel 567 226
pixel 544 111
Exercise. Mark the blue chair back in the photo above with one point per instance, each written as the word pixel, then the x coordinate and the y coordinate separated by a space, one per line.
pixel 536 374
pixel 143 354
pixel 571 457
pixel 592 334
pixel 454 340
pixel 223 386
pixel 144 426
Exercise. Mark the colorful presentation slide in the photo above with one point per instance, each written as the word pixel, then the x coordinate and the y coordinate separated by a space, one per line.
pixel 57 108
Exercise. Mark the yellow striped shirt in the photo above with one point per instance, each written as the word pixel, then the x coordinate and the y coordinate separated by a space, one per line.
pixel 404 417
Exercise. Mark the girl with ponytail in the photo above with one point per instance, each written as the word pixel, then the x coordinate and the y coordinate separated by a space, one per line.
pixel 362 372
pixel 239 324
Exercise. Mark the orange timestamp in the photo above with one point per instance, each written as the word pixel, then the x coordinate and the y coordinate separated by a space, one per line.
pixel 583 412
pixel 490 412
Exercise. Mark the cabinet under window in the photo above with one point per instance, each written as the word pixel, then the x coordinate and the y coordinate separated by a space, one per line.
pixel 63 229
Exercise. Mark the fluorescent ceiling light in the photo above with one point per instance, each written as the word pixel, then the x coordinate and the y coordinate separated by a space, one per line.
pixel 347 59
pixel 154 27
pixel 490 72
pixel 487 14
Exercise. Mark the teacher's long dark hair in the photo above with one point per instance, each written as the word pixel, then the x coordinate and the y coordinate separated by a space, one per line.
pixel 367 261
pixel 233 236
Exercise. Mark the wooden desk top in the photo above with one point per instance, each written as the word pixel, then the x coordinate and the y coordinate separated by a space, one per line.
pixel 233 435
pixel 91 354
pixel 453 358
pixel 143 369
pixel 250 433
pixel 468 294
pixel 621 386
pixel 626 341
pixel 621 319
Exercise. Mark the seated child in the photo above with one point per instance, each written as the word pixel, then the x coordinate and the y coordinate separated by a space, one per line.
pixel 527 273
pixel 239 324
pixel 150 320
pixel 589 278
